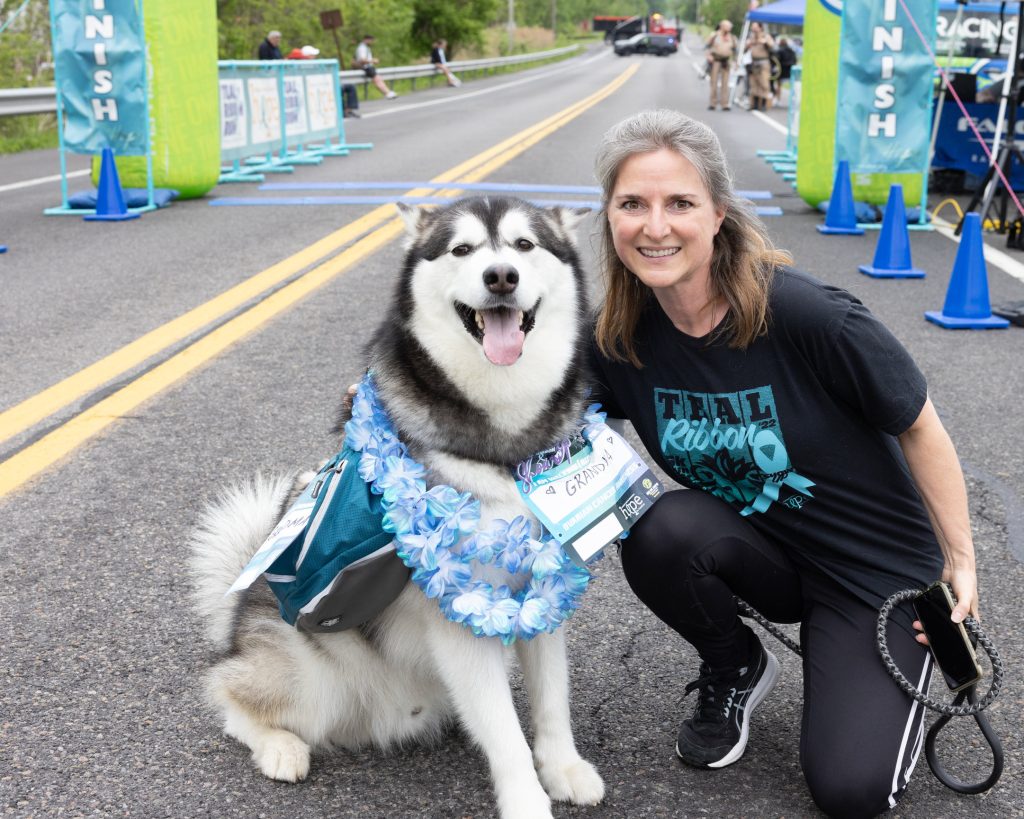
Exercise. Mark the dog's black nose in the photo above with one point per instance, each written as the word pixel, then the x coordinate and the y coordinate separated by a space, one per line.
pixel 501 278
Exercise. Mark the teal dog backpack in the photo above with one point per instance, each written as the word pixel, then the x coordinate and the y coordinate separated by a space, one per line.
pixel 340 569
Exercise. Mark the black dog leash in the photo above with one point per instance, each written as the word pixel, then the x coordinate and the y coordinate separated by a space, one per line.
pixel 957 709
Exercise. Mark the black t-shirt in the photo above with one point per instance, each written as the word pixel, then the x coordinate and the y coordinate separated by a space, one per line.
pixel 269 51
pixel 796 432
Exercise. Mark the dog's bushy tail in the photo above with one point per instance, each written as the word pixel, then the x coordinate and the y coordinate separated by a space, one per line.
pixel 228 534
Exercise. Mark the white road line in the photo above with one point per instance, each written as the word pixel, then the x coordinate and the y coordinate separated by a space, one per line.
pixel 28 183
pixel 461 96
pixel 782 129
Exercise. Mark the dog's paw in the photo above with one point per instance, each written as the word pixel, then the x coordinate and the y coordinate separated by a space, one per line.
pixel 573 780
pixel 283 756
pixel 525 802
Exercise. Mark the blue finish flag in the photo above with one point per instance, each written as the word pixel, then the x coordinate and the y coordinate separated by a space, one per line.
pixel 99 65
pixel 886 77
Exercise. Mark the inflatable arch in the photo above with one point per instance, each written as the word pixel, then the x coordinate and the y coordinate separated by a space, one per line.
pixel 181 49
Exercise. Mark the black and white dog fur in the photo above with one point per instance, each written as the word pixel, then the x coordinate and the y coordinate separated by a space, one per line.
pixel 479 365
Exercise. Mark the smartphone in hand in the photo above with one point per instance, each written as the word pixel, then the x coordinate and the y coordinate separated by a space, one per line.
pixel 950 644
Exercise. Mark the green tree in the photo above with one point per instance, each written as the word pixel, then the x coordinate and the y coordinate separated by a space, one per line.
pixel 571 14
pixel 389 21
pixel 26 61
pixel 713 11
pixel 460 22
pixel 242 25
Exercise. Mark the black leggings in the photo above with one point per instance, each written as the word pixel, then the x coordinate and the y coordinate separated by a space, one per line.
pixel 861 735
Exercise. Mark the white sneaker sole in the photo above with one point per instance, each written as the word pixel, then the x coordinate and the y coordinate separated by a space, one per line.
pixel 761 690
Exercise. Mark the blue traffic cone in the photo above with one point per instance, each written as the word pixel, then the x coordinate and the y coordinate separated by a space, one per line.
pixel 110 205
pixel 892 256
pixel 967 305
pixel 841 217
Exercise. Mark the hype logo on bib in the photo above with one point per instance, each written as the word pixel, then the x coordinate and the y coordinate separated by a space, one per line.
pixel 731 445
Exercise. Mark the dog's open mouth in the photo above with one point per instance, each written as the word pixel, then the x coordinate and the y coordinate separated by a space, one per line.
pixel 501 330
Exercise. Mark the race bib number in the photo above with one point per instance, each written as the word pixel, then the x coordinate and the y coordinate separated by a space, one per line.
pixel 281 536
pixel 588 492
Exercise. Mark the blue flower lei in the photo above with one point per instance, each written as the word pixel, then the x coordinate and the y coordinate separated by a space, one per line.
pixel 436 536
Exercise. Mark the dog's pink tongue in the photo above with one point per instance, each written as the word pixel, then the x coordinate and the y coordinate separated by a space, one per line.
pixel 503 340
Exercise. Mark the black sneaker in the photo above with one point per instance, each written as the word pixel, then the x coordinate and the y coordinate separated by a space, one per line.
pixel 716 734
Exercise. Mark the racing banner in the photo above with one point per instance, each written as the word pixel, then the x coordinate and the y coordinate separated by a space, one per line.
pixel 99 66
pixel 883 123
pixel 957 146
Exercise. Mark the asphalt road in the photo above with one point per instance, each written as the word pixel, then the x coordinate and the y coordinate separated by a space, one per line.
pixel 101 656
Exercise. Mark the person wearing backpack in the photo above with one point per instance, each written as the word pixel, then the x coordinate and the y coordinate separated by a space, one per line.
pixel 720 49
pixel 787 59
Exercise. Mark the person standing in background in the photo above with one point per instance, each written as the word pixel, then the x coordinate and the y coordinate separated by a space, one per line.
pixel 270 48
pixel 759 45
pixel 719 49
pixel 787 59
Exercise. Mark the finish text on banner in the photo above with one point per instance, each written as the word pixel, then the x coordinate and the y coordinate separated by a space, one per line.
pixel 99 66
pixel 883 123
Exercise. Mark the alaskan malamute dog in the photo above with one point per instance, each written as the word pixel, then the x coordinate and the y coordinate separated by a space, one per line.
pixel 478 364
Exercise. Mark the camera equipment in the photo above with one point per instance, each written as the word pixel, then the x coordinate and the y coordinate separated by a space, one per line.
pixel 989 192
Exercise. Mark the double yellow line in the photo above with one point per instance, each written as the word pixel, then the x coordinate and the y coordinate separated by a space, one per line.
pixel 376 228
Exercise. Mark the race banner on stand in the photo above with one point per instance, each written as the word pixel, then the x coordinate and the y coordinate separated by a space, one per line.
pixel 100 71
pixel 883 123
pixel 957 147
pixel 233 113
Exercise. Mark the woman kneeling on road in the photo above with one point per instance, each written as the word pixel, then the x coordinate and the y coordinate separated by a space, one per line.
pixel 826 480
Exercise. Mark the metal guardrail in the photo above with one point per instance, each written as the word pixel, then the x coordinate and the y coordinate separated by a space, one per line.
pixel 426 70
pixel 18 101
pixel 15 101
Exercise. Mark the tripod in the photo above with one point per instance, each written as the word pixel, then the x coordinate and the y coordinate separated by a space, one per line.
pixel 989 189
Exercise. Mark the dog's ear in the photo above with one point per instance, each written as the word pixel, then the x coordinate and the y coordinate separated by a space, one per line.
pixel 569 218
pixel 415 219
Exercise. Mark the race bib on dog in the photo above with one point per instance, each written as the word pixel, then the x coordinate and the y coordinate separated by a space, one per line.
pixel 588 492
pixel 280 538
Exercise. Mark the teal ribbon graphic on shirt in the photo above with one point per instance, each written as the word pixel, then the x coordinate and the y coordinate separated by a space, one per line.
pixel 771 458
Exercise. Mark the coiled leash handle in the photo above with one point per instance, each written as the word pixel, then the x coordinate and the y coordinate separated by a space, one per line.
pixel 957 709
pixel 974 708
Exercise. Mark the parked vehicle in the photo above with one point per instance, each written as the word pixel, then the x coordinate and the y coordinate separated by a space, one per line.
pixel 644 43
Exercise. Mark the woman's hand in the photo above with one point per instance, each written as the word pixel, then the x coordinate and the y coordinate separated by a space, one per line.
pixel 348 397
pixel 965 590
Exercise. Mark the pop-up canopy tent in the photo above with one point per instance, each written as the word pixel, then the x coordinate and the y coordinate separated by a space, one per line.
pixel 780 13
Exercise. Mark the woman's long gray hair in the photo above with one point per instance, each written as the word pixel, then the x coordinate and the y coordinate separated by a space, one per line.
pixel 743 258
